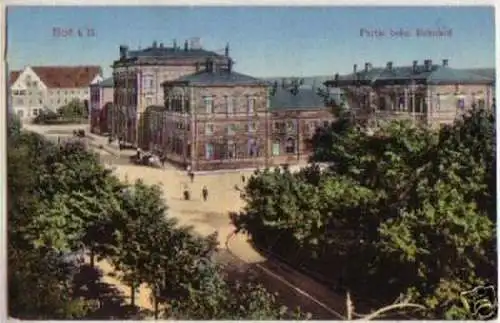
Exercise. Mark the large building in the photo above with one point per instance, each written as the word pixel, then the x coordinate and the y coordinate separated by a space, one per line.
pixel 101 102
pixel 39 88
pixel 217 118
pixel 427 93
pixel 138 75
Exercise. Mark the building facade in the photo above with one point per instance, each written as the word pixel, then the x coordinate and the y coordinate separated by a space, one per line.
pixel 138 76
pixel 220 119
pixel 39 88
pixel 101 101
pixel 425 93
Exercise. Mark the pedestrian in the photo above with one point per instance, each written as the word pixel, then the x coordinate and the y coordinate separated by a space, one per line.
pixel 187 195
pixel 204 192
pixel 243 178
pixel 163 159
pixel 191 176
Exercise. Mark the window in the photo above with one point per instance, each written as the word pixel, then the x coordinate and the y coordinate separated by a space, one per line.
pixel 481 104
pixel 20 113
pixel 229 105
pixel 312 126
pixel 276 147
pixel 209 151
pixel 209 104
pixel 279 126
pixel 209 129
pixel 253 150
pixel 231 150
pixel 40 101
pixel 230 129
pixel 252 127
pixel 290 125
pixel 290 146
pixel 251 105
pixel 35 112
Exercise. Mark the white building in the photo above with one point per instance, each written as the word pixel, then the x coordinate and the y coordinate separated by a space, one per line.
pixel 38 88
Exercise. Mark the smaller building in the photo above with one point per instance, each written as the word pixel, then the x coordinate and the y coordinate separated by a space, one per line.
pixel 39 88
pixel 101 102
pixel 295 114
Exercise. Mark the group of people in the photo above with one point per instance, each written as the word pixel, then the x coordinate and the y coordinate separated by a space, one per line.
pixel 204 190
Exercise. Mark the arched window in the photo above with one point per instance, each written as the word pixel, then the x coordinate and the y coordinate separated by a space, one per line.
pixel 290 146
pixel 276 147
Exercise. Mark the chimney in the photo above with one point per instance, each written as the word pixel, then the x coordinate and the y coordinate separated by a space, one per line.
pixel 355 68
pixel 123 52
pixel 415 64
pixel 226 50
pixel 389 66
pixel 367 67
pixel 445 62
pixel 161 45
pixel 186 46
pixel 336 77
pixel 154 44
pixel 428 64
pixel 230 65
pixel 174 45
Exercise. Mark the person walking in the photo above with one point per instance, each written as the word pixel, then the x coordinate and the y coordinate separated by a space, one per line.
pixel 204 193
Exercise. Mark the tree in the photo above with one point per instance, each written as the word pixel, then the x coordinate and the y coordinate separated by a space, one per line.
pixel 417 203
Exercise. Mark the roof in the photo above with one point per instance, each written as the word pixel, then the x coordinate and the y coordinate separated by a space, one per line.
pixel 219 77
pixel 13 75
pixel 109 82
pixel 436 74
pixel 172 53
pixel 305 98
pixel 63 76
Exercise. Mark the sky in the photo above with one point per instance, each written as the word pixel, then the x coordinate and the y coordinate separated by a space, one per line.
pixel 264 41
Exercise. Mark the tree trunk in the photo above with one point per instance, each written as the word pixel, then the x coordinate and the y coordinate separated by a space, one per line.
pixel 156 307
pixel 92 257
pixel 132 294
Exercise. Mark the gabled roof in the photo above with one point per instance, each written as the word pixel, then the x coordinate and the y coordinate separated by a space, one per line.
pixel 304 99
pixel 219 77
pixel 62 76
pixel 13 75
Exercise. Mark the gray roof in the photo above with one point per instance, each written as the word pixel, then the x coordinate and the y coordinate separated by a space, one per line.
pixel 305 98
pixel 107 82
pixel 221 77
pixel 437 74
pixel 172 53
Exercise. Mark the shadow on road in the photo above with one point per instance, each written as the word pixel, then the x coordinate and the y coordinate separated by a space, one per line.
pixel 111 302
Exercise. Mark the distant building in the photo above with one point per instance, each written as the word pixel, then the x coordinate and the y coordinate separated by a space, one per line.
pixel 217 118
pixel 101 102
pixel 39 88
pixel 138 75
pixel 426 93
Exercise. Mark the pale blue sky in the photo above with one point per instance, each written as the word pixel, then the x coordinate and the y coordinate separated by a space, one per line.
pixel 264 41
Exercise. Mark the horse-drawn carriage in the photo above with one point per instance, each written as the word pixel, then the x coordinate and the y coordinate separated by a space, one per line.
pixel 147 159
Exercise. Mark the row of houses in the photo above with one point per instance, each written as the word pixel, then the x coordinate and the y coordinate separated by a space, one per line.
pixel 191 104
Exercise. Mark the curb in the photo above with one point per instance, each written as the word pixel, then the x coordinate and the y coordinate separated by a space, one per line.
pixel 282 280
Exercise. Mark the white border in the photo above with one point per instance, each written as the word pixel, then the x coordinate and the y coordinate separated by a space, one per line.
pixel 3 16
